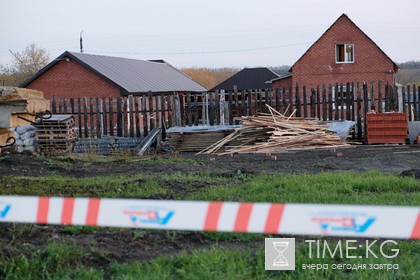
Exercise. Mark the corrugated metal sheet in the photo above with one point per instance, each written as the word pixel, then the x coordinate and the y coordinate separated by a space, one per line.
pixel 137 76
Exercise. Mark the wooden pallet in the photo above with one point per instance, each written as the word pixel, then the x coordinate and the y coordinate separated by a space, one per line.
pixel 55 135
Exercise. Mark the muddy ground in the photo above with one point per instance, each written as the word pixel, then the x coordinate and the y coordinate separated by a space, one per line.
pixel 124 245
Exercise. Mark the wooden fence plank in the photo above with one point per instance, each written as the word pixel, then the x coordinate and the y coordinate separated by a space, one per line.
pixel 359 113
pixel 104 116
pixel 324 103
pixel 305 102
pixel 98 118
pixel 330 102
pixel 297 101
pixel 119 117
pixel 111 116
pixel 79 116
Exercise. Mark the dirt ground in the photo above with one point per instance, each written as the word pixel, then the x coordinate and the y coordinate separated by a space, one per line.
pixel 107 245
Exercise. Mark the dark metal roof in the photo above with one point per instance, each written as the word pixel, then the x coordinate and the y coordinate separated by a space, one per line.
pixel 131 75
pixel 248 78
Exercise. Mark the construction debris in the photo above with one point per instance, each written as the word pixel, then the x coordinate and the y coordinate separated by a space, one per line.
pixel 274 132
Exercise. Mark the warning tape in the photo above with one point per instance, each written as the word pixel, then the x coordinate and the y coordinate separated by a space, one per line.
pixel 290 219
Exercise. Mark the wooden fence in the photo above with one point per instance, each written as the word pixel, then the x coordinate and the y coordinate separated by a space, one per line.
pixel 135 116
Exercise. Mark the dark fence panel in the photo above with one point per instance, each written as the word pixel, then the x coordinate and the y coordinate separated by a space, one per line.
pixel 136 116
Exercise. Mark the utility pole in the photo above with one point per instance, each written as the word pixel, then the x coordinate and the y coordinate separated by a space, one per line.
pixel 81 42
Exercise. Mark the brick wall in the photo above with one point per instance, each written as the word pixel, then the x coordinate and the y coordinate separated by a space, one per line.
pixel 282 83
pixel 69 79
pixel 319 64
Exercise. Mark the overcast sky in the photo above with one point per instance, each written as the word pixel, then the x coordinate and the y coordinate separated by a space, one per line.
pixel 213 33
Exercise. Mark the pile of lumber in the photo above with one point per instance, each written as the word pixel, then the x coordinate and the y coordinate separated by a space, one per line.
pixel 274 132
pixel 194 139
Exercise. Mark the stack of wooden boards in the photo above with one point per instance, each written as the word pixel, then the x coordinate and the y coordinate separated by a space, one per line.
pixel 55 135
pixel 274 132
pixel 196 138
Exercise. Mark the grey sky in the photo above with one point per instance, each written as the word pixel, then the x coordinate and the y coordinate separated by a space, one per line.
pixel 216 33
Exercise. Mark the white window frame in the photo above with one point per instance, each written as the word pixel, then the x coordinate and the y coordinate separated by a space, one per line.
pixel 346 60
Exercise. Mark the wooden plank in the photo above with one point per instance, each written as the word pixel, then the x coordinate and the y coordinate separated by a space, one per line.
pixel 236 110
pixel 305 102
pixel 297 100
pixel 79 116
pixel 85 117
pixel 312 103
pixel 230 100
pixel 330 102
pixel 212 107
pixel 119 117
pixel 324 102
pixel 372 97
pixel 342 101
pixel 65 106
pixel 249 104
pixel 170 110
pixel 125 116
pixel 111 116
pixel 151 116
pixel 243 104
pixel 379 109
pixel 131 114
pixel 196 118
pixel 60 105
pixel 349 93
pixel 92 118
pixel 163 114
pixel 137 116
pixel 277 98
pixel 98 118
pixel 189 110
pixel 144 115
pixel 104 116
pixel 54 105
pixel 416 104
pixel 409 113
pixel 352 104
pixel 365 110
pixel 318 102
pixel 158 113
pixel 359 114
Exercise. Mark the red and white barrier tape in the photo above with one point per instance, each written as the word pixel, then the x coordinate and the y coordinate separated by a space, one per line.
pixel 294 219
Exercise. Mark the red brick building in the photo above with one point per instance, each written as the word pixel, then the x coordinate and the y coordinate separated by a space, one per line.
pixel 344 53
pixel 73 75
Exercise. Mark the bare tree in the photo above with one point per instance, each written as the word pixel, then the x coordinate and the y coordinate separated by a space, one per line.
pixel 24 64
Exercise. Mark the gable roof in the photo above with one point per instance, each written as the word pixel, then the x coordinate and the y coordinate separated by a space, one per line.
pixel 248 78
pixel 131 75
pixel 344 16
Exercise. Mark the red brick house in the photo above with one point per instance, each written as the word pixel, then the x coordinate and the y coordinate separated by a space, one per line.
pixel 344 53
pixel 73 75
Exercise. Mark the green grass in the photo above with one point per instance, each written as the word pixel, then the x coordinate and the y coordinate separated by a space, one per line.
pixel 67 261
pixel 340 187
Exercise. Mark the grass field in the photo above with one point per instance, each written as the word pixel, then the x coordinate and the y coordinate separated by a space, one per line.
pixel 61 260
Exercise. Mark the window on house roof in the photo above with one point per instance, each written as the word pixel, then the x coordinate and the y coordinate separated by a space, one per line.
pixel 344 53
